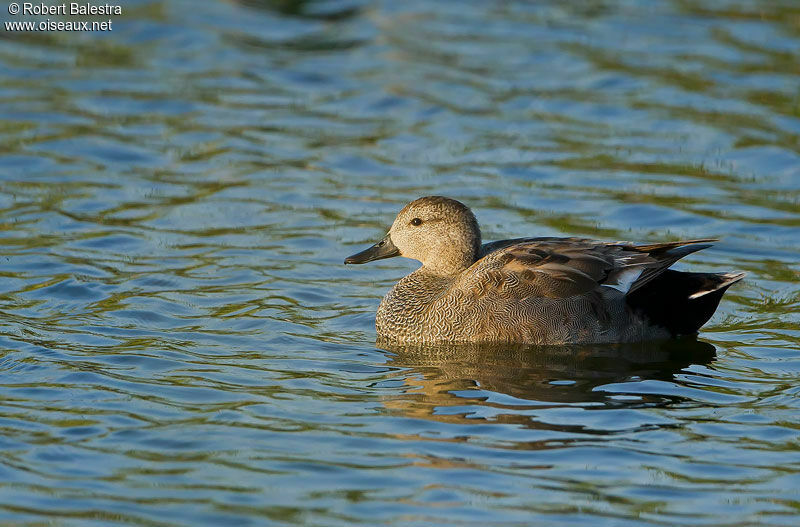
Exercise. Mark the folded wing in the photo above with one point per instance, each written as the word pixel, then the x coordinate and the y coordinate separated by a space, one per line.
pixel 564 267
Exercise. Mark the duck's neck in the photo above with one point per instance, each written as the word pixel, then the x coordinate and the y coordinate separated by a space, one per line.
pixel 448 262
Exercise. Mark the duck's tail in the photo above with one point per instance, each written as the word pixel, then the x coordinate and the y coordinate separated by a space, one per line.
pixel 682 302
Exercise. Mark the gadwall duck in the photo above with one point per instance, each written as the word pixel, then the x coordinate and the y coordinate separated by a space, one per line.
pixel 534 290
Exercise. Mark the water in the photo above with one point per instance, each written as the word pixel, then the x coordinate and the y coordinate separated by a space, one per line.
pixel 181 344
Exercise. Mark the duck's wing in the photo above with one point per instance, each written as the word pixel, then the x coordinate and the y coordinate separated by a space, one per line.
pixel 564 267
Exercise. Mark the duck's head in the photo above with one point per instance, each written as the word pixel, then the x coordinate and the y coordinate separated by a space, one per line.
pixel 442 233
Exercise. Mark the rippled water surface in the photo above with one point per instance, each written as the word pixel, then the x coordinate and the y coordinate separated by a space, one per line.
pixel 180 343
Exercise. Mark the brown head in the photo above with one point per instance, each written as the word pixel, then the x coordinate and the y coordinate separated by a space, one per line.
pixel 442 233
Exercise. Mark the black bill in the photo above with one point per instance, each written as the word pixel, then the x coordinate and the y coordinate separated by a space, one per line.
pixel 383 249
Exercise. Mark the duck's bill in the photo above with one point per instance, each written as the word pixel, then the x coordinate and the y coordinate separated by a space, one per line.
pixel 383 249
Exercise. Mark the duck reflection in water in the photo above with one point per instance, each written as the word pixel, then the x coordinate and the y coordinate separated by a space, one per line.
pixel 507 380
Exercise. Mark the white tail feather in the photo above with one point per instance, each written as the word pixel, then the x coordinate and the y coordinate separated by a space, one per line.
pixel 729 278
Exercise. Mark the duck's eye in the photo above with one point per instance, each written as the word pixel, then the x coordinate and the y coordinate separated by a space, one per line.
pixel 416 221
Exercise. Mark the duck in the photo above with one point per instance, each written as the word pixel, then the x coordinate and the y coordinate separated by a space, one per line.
pixel 539 291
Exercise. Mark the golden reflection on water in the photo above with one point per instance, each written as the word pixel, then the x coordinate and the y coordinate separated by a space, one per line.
pixel 444 376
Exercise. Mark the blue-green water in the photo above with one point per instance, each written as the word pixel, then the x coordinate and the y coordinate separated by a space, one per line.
pixel 180 344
